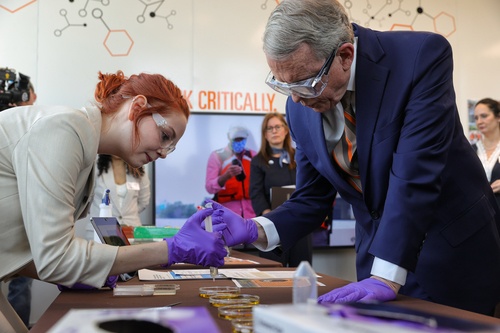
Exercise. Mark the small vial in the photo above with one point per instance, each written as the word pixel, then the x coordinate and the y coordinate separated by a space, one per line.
pixel 305 288
pixel 105 208
pixel 214 271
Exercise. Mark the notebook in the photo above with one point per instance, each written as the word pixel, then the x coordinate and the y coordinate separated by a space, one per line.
pixel 280 195
pixel 109 231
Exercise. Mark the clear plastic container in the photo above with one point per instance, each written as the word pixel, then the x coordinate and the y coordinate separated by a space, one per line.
pixel 231 312
pixel 206 292
pixel 305 288
pixel 242 325
pixel 231 299
pixel 145 289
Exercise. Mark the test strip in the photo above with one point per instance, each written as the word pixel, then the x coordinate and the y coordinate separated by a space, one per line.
pixel 214 271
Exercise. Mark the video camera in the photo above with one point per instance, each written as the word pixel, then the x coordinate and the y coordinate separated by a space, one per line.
pixel 14 88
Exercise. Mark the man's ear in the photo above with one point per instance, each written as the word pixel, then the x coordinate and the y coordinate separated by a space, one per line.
pixel 346 53
pixel 139 102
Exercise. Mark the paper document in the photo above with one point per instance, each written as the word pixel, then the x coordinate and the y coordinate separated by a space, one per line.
pixel 267 283
pixel 226 273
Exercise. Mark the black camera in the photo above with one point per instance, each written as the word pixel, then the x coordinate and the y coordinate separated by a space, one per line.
pixel 14 88
pixel 241 177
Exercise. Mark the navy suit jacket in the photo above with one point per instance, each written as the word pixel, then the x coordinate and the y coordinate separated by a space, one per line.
pixel 426 204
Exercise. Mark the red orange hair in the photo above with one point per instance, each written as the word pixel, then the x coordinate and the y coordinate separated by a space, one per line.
pixel 163 95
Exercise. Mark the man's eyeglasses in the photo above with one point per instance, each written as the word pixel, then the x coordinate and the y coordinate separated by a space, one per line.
pixel 167 143
pixel 309 88
pixel 270 129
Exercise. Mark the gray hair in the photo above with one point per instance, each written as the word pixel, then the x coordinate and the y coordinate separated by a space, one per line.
pixel 322 24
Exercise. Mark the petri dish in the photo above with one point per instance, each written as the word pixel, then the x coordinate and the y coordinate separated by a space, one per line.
pixel 231 312
pixel 219 300
pixel 242 325
pixel 206 292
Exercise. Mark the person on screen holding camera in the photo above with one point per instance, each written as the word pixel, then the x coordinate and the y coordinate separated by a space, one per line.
pixel 228 173
pixel 47 182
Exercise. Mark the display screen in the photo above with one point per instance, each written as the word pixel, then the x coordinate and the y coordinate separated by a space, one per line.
pixel 109 230
pixel 180 178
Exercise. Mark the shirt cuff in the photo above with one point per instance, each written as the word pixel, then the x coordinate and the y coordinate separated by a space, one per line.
pixel 389 271
pixel 273 238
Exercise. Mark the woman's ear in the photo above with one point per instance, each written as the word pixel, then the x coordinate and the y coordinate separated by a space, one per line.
pixel 139 102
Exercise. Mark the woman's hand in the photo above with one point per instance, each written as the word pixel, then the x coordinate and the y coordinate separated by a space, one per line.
pixel 495 186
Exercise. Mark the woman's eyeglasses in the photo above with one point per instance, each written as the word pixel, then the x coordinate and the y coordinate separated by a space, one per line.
pixel 272 128
pixel 167 142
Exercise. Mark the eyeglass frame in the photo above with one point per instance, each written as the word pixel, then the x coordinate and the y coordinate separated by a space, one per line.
pixel 162 124
pixel 278 127
pixel 309 84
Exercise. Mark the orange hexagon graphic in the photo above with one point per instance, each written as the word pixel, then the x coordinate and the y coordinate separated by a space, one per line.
pixel 401 27
pixel 17 5
pixel 118 43
pixel 444 24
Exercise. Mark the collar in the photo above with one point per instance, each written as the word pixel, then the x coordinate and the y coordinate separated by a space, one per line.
pixel 351 84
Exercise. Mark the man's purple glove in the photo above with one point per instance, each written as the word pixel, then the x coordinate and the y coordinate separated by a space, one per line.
pixel 366 291
pixel 192 244
pixel 238 230
pixel 110 282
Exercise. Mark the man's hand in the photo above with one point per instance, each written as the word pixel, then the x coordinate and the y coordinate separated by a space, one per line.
pixel 365 291
pixel 237 229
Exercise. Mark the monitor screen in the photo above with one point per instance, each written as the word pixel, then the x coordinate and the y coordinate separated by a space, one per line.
pixel 180 178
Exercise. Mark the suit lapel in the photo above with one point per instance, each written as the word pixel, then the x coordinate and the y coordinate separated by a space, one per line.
pixel 370 84
pixel 325 165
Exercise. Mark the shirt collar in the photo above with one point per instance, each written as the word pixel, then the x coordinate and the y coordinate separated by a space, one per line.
pixel 351 84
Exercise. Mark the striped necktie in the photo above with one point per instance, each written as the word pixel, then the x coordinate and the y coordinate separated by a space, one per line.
pixel 344 153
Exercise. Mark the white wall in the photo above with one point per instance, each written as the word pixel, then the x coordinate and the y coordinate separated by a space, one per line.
pixel 215 46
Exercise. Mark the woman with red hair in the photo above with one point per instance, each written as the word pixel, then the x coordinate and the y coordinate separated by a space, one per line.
pixel 47 156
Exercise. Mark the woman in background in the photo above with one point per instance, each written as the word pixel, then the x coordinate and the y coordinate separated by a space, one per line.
pixel 274 165
pixel 129 187
pixel 487 117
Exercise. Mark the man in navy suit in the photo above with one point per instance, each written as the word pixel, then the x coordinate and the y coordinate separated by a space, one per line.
pixel 427 223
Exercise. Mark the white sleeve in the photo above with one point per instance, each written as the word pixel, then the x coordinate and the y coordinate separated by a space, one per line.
pixel 389 271
pixel 273 238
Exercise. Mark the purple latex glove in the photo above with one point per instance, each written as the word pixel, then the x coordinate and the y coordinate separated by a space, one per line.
pixel 110 282
pixel 366 291
pixel 192 244
pixel 238 230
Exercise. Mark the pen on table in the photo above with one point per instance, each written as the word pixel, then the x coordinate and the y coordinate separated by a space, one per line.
pixel 168 306
pixel 172 304
pixel 214 271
